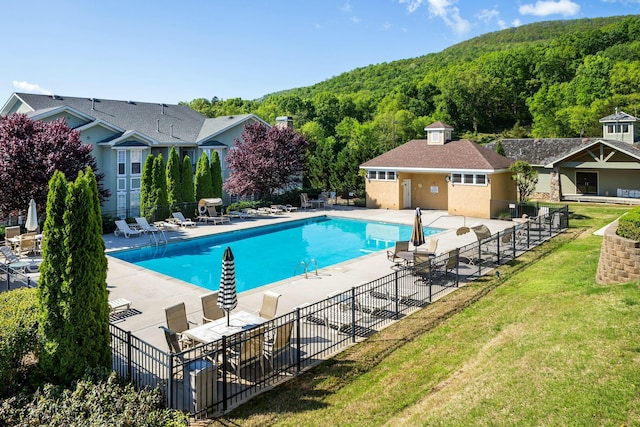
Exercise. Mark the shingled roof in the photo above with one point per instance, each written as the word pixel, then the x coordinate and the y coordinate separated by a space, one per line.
pixel 539 152
pixel 460 154
pixel 164 123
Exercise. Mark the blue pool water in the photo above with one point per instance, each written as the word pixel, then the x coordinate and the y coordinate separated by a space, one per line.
pixel 270 253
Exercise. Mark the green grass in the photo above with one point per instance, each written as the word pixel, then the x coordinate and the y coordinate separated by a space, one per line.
pixel 544 345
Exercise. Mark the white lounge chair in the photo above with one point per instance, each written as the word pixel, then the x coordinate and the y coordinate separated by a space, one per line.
pixel 148 228
pixel 180 219
pixel 123 228
pixel 14 263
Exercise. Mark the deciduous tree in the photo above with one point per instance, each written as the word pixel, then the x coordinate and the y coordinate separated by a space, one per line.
pixel 526 178
pixel 265 160
pixel 30 152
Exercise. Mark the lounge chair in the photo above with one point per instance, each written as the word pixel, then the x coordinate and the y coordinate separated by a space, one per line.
pixel 14 263
pixel 239 214
pixel 288 208
pixel 276 210
pixel 394 256
pixel 182 221
pixel 269 305
pixel 120 304
pixel 210 309
pixel 264 211
pixel 177 322
pixel 123 228
pixel 218 217
pixel 144 225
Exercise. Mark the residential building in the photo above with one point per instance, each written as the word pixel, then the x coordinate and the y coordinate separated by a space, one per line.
pixel 124 133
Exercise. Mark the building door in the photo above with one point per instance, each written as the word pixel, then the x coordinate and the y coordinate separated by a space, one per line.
pixel 587 182
pixel 406 193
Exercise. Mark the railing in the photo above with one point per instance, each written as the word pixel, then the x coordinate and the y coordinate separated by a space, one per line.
pixel 12 279
pixel 211 379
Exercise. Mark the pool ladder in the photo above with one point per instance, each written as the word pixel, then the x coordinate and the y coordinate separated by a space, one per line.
pixel 306 267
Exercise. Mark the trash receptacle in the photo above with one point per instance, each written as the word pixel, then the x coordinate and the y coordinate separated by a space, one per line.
pixel 201 387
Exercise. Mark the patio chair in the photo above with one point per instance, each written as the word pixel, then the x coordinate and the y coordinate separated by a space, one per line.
pixel 123 228
pixel 430 248
pixel 13 262
pixel 249 349
pixel 210 309
pixel 11 234
pixel 304 201
pixel 394 256
pixel 280 343
pixel 177 322
pixel 424 267
pixel 269 305
pixel 181 220
pixel 27 243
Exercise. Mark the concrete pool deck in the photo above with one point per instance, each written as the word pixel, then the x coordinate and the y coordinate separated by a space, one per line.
pixel 150 292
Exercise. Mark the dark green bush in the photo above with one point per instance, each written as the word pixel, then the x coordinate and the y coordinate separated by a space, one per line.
pixel 108 224
pixel 629 224
pixel 90 403
pixel 18 334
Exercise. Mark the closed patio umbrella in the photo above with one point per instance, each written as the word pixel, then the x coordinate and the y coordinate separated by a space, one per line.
pixel 417 234
pixel 227 297
pixel 32 217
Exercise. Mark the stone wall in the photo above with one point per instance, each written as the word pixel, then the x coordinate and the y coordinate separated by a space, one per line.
pixel 619 258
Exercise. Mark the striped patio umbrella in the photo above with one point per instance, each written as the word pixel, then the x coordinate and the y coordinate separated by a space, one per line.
pixel 227 297
pixel 417 234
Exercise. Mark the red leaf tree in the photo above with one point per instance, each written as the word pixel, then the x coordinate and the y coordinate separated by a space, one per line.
pixel 30 151
pixel 265 160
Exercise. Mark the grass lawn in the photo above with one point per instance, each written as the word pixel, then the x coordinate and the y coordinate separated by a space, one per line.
pixel 543 345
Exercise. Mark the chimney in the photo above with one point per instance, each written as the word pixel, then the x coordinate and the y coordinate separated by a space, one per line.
pixel 93 104
pixel 284 122
pixel 162 108
pixel 171 130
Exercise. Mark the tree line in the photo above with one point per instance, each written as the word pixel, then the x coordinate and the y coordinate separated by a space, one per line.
pixel 549 79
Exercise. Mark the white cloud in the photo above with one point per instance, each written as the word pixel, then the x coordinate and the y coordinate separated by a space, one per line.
pixel 355 19
pixel 346 7
pixel 516 23
pixel 386 26
pixel 31 87
pixel 412 5
pixel 546 8
pixel 502 24
pixel 487 15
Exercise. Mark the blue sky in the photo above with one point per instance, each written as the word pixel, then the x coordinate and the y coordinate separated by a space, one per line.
pixel 171 51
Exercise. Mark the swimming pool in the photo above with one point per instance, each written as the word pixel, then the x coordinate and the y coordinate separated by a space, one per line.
pixel 270 253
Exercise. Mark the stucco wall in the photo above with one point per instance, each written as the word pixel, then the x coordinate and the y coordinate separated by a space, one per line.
pixel 503 188
pixel 619 258
pixel 383 194
pixel 470 200
pixel 421 194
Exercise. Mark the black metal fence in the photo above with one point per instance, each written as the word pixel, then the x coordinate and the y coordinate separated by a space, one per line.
pixel 10 279
pixel 213 378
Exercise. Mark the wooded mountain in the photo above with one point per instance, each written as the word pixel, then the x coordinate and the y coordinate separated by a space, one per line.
pixel 547 79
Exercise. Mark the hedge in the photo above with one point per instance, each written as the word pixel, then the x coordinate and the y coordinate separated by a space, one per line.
pixel 629 224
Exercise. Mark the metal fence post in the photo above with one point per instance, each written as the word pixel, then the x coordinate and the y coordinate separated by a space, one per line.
pixel 298 331
pixel 457 265
pixel 170 383
pixel 224 375
pixel 396 295
pixel 353 314
pixel 129 363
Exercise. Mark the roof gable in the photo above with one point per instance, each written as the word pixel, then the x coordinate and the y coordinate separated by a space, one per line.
pixel 455 155
pixel 623 147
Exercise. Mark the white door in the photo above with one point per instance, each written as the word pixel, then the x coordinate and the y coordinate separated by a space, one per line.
pixel 406 193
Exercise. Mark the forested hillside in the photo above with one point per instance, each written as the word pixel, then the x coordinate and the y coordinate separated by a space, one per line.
pixel 548 79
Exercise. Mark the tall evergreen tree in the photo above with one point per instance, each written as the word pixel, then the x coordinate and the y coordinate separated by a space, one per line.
pixel 159 179
pixel 216 174
pixel 202 186
pixel 50 320
pixel 85 308
pixel 188 195
pixel 174 186
pixel 146 187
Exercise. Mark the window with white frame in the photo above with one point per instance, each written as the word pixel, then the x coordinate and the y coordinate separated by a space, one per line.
pixel 134 205
pixel 382 175
pixel 136 162
pixel 121 205
pixel 122 162
pixel 135 183
pixel 122 184
pixel 469 178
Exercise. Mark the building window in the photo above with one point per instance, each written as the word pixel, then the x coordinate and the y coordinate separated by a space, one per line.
pixel 122 161
pixel 121 205
pixel 136 162
pixel 122 184
pixel 469 178
pixel 134 206
pixel 135 184
pixel 382 175
pixel 435 136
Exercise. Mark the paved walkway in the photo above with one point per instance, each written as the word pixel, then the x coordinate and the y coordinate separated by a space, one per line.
pixel 150 292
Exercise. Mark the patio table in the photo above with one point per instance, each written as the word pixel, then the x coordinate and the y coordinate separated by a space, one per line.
pixel 213 331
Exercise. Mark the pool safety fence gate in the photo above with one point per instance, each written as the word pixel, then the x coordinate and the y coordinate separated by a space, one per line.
pixel 208 380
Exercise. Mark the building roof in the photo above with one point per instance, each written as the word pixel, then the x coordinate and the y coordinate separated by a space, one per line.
pixel 618 116
pixel 539 152
pixel 632 150
pixel 460 154
pixel 439 125
pixel 164 123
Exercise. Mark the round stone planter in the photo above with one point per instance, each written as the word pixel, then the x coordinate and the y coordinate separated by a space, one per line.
pixel 619 258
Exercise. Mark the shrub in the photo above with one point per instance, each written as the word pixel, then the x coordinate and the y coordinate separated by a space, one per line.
pixel 629 224
pixel 18 334
pixel 90 403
